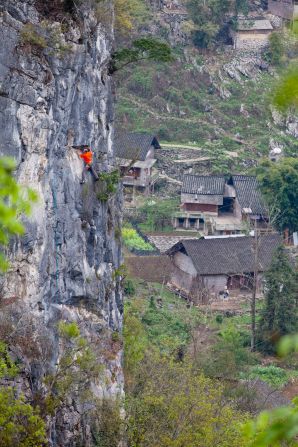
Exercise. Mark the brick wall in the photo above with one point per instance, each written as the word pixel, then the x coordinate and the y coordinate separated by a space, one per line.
pixel 204 207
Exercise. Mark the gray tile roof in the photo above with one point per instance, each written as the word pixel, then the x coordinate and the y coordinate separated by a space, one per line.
pixel 134 146
pixel 203 184
pixel 248 194
pixel 228 256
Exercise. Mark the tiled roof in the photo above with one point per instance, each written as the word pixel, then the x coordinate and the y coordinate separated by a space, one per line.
pixel 251 24
pixel 228 256
pixel 203 184
pixel 134 146
pixel 163 243
pixel 248 194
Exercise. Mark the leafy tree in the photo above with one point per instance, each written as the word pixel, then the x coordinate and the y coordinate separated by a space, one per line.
pixel 76 367
pixel 286 94
pixel 279 184
pixel 127 13
pixel 14 200
pixel 228 357
pixel 169 403
pixel 135 344
pixel 107 428
pixel 276 49
pixel 279 316
pixel 144 48
pixel 209 16
pixel 20 423
pixel 276 428
pixel 280 426
pixel 173 405
pixel 158 214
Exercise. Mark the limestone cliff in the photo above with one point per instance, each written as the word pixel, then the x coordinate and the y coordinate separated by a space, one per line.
pixel 54 92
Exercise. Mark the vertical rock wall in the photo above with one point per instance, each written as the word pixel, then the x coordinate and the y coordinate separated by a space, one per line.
pixel 65 266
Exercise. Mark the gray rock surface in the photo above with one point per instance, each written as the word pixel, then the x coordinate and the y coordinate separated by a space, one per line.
pixel 64 267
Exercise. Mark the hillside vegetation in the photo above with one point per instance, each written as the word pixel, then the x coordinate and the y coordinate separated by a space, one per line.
pixel 217 99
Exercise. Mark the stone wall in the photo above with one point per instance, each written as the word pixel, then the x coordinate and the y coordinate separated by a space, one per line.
pixel 281 8
pixel 64 266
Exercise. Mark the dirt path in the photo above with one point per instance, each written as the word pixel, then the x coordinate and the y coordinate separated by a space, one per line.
pixel 180 146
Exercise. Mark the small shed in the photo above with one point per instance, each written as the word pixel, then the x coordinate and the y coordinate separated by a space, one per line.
pixel 204 267
pixel 251 33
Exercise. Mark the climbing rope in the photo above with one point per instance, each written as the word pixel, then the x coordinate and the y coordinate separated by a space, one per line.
pixel 56 240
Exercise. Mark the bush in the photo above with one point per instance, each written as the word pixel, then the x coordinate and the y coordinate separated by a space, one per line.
pixel 275 51
pixel 219 318
pixel 157 214
pixel 132 240
pixel 107 185
pixel 129 288
pixel 21 425
pixel 273 375
pixel 30 35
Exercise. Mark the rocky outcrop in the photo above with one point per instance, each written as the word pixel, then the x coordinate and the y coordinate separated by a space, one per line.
pixel 54 92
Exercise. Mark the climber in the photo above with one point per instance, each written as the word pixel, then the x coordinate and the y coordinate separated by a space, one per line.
pixel 87 156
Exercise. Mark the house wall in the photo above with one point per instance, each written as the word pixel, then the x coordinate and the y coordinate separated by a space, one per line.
pixel 144 175
pixel 206 199
pixel 181 280
pixel 183 272
pixel 151 153
pixel 281 8
pixel 237 209
pixel 200 207
pixel 215 283
pixel 251 40
pixel 184 263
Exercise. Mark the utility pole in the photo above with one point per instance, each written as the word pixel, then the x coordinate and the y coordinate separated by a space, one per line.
pixel 254 287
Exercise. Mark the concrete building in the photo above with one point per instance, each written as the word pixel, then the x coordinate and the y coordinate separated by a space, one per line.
pixel 286 9
pixel 251 32
pixel 135 155
pixel 202 268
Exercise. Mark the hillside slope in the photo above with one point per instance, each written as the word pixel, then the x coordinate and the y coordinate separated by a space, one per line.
pixel 219 101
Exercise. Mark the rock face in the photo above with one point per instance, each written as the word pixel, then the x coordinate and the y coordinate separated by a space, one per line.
pixel 54 92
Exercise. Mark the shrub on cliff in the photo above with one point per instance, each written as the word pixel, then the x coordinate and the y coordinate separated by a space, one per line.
pixel 14 201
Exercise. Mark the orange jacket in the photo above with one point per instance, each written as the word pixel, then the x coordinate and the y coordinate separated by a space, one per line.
pixel 87 157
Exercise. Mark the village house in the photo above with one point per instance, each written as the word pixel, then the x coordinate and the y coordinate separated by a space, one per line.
pixel 135 155
pixel 203 268
pixel 286 9
pixel 215 205
pixel 249 205
pixel 251 32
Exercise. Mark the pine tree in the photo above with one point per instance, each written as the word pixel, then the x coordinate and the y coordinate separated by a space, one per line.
pixel 279 316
